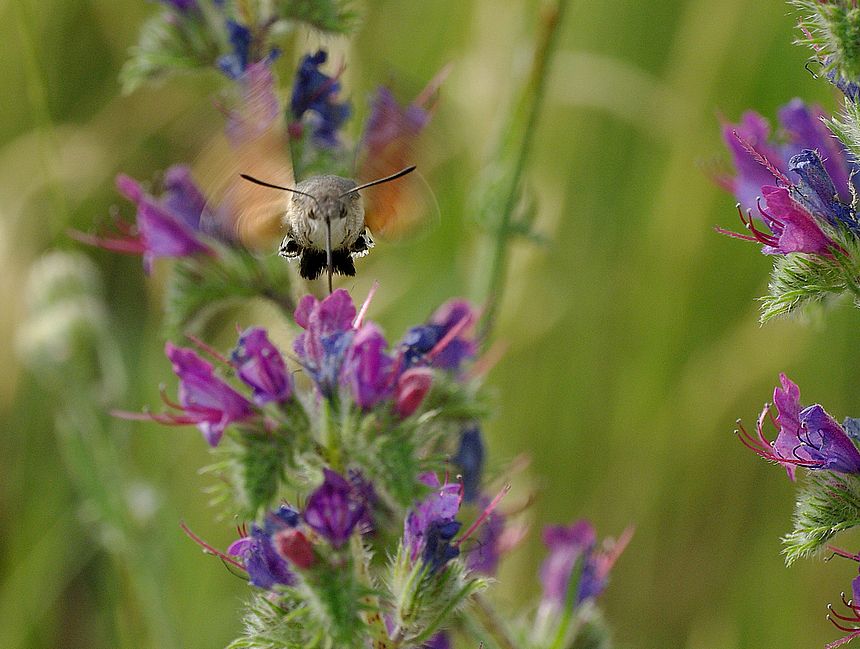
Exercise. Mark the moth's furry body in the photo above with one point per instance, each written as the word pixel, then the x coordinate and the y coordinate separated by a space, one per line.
pixel 325 202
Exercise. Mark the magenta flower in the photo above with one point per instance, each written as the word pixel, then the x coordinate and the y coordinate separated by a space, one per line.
pixel 793 229
pixel 334 509
pixel 165 227
pixel 808 437
pixel 328 333
pixel 206 400
pixel 260 365
pixel 367 369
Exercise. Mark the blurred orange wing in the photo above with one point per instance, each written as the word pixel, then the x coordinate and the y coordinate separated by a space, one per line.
pixel 255 144
pixel 390 144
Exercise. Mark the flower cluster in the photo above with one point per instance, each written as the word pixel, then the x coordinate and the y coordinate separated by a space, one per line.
pixel 801 188
pixel 337 451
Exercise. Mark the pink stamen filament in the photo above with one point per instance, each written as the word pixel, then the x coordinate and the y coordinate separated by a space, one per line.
pixel 761 159
pixel 842 628
pixel 208 548
pixel 853 618
pixel 208 349
pixel 359 319
pixel 484 515
pixel 449 337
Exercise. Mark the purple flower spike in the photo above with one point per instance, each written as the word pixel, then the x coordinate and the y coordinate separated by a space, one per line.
pixel 260 365
pixel 334 509
pixel 265 567
pixel 808 437
pixel 328 332
pixel 367 368
pixel 207 400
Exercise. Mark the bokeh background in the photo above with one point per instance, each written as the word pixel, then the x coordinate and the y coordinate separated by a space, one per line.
pixel 632 341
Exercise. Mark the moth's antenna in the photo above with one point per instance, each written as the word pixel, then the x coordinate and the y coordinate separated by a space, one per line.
pixel 286 189
pixel 399 174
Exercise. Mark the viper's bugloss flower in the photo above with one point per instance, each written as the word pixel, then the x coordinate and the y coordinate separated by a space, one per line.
pixel 808 437
pixel 260 365
pixel 573 552
pixel 430 527
pixel 265 566
pixel 760 160
pixel 792 228
pixel 328 326
pixel 445 341
pixel 469 459
pixel 165 227
pixel 206 400
pixel 334 509
pixel 237 62
pixel 315 95
pixel 367 368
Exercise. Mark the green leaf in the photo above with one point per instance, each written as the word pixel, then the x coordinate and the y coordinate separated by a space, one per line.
pixel 828 503
pixel 170 43
pixel 202 287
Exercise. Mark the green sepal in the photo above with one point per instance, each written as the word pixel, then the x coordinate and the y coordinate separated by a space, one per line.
pixel 799 281
pixel 832 30
pixel 258 464
pixel 424 601
pixel 827 503
pixel 270 624
pixel 202 287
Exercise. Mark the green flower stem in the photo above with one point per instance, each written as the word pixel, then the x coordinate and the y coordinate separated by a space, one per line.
pixel 492 623
pixel 522 125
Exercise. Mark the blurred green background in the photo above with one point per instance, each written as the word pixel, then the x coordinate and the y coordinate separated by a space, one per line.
pixel 632 339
